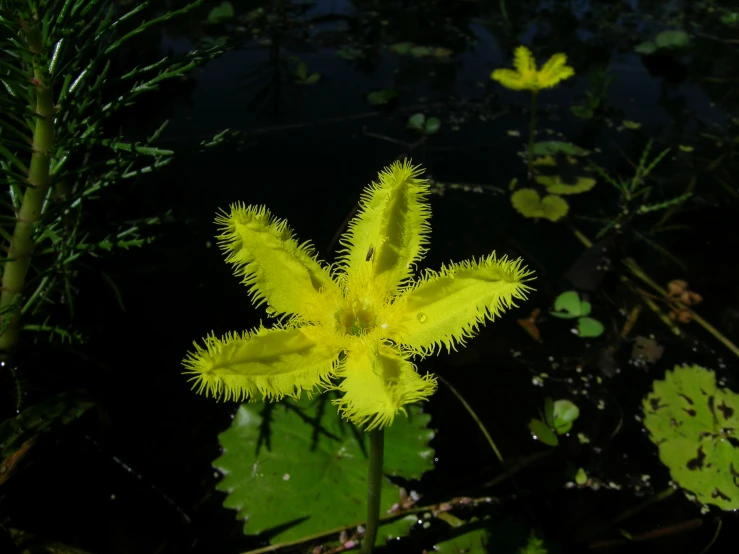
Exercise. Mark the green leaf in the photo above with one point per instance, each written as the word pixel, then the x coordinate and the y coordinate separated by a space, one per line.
pixel 432 125
pixel 588 327
pixel 672 39
pixel 529 204
pixel 549 411
pixel 568 305
pixel 298 466
pixel 301 72
pixel 554 147
pixel 564 414
pixel 350 53
pixel 401 47
pixel 555 185
pixel 694 423
pixel 645 48
pixel 541 431
pixel 382 96
pixel 581 477
pixel 416 121
pixel 420 51
pixel 312 79
pixel 223 12
pixel 474 542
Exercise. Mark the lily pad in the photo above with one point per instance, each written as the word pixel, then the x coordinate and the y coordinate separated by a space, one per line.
pixel 564 414
pixel 672 39
pixel 296 468
pixel 529 204
pixel 694 424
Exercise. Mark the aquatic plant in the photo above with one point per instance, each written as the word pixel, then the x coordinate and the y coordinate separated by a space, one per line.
pixel 361 320
pixel 695 424
pixel 527 77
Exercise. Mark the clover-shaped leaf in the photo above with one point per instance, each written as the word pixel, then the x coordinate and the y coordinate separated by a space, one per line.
pixel 568 305
pixel 296 468
pixel 529 204
pixel 422 124
pixel 695 425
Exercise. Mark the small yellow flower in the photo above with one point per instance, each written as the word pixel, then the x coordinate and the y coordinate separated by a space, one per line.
pixel 526 76
pixel 361 320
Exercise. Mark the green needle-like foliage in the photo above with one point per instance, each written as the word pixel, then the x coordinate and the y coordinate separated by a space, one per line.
pixel 58 92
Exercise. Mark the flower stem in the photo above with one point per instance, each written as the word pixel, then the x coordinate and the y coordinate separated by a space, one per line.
pixel 22 243
pixel 374 489
pixel 532 133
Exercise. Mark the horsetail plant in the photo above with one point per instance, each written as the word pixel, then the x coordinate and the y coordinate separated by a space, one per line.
pixel 361 321
pixel 58 93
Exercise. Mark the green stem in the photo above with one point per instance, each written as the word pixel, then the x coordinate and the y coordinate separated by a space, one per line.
pixel 374 489
pixel 532 132
pixel 22 243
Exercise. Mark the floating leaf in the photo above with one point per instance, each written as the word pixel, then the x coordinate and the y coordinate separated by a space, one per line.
pixel 569 306
pixel 420 51
pixel 417 121
pixel 564 414
pixel 541 431
pixel 694 424
pixel 672 39
pixel 401 47
pixel 223 12
pixel 588 327
pixel 350 53
pixel 432 125
pixel 529 204
pixel 296 468
pixel 645 48
pixel 553 147
pixel 581 477
pixel 555 185
pixel 633 125
pixel 382 96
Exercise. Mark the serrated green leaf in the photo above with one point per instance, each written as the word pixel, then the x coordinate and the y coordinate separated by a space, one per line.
pixel 695 425
pixel 304 469
pixel 588 327
pixel 541 431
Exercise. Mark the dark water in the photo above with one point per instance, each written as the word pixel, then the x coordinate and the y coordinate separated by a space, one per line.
pixel 135 474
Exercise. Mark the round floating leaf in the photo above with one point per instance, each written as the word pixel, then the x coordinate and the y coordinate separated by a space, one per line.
pixel 588 327
pixel 564 413
pixel 694 423
pixel 420 51
pixel 223 12
pixel 432 125
pixel 416 121
pixel 529 204
pixel 401 47
pixel 672 39
pixel 296 468
pixel 541 431
pixel 568 305
pixel 555 185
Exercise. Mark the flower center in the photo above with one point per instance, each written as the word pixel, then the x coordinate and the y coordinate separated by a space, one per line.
pixel 356 318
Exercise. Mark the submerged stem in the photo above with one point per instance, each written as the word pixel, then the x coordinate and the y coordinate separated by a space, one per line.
pixel 374 489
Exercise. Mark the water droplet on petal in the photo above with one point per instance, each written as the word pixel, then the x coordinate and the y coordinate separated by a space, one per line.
pixel 422 317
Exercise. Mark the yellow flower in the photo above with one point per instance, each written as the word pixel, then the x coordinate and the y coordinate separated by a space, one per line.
pixel 361 320
pixel 526 76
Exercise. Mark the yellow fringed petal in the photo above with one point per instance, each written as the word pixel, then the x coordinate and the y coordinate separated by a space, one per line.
pixel 510 79
pixel 272 264
pixel 390 231
pixel 554 71
pixel 271 363
pixel 377 385
pixel 523 61
pixel 445 308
